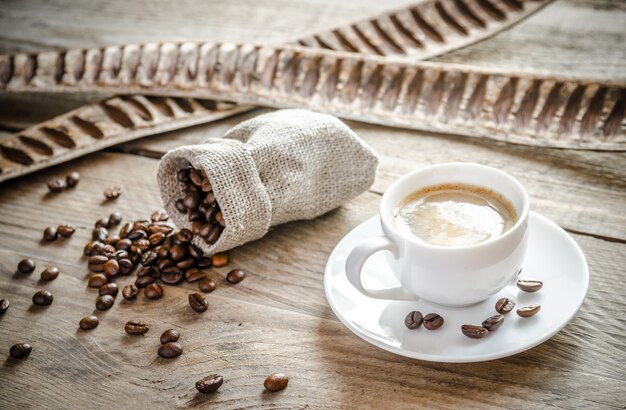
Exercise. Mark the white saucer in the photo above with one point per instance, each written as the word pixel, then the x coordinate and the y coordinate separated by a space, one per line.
pixel 553 256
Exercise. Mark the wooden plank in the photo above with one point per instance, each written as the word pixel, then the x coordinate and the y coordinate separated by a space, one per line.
pixel 559 181
pixel 285 322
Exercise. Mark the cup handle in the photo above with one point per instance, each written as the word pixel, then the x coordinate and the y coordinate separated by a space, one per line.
pixel 356 259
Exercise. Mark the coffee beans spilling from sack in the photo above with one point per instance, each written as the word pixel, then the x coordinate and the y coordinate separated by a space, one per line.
pixel 198 202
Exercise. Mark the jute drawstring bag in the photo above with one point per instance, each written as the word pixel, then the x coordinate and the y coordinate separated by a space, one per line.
pixel 271 169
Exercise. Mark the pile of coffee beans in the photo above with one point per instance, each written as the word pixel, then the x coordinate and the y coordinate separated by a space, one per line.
pixel 503 307
pixel 415 319
pixel 59 184
pixel 199 203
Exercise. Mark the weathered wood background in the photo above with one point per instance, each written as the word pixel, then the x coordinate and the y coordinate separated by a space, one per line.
pixel 278 318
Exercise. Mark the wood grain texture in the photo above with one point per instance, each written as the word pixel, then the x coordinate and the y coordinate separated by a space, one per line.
pixel 286 323
pixel 96 126
pixel 494 106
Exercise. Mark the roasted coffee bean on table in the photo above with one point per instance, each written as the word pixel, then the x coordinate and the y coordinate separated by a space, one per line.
pixel 529 285
pixel 433 321
pixel 97 280
pixel 115 218
pixel 89 322
pixel 43 298
pixel 130 291
pixel 474 332
pixel 528 311
pixel 20 350
pixel 4 305
pixel 219 259
pixel 111 268
pixel 26 266
pixel 105 302
pixel 209 384
pixel 170 335
pixel 50 234
pixel 57 185
pixel 235 276
pixel 276 381
pixel 198 202
pixel 207 285
pixel 136 327
pixel 194 274
pixel 414 319
pixel 112 192
pixel 66 230
pixel 170 350
pixel 198 302
pixel 108 289
pixel 72 179
pixel 493 323
pixel 504 305
pixel 50 273
pixel 153 291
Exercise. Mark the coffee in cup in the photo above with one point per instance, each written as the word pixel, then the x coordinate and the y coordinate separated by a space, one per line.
pixel 455 214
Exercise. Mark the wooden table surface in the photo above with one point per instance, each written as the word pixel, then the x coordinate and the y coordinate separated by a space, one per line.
pixel 278 319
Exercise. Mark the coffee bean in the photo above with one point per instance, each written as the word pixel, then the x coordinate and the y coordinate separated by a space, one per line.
pixel 198 302
pixel 104 302
pixel 474 332
pixel 89 322
pixel 433 321
pixel 26 266
pixel 209 384
pixel 235 276
pixel 196 177
pixel 170 350
pixel 191 200
pixel 207 285
pixel 493 323
pixel 130 291
pixel 93 248
pixel 96 263
pixel 529 285
pixel 180 206
pixel 185 264
pixel 144 281
pixel 96 280
pixel 156 238
pixel 177 252
pixel 42 298
pixel 276 381
pixel 4 305
pixel 148 258
pixel 159 216
pixel 72 179
pixel 108 249
pixel 126 266
pixel 171 276
pixel 164 264
pixel 20 350
pixel 111 268
pixel 66 230
pixel 50 234
pixel 206 185
pixel 153 291
pixel 183 174
pixel 195 252
pixel 414 319
pixel 170 335
pixel 124 244
pixel 193 275
pixel 108 289
pixel 203 263
pixel 219 259
pixel 136 327
pixel 103 223
pixel 215 234
pixel 99 234
pixel 528 311
pixel 57 185
pixel 112 192
pixel 50 273
pixel 115 218
pixel 504 305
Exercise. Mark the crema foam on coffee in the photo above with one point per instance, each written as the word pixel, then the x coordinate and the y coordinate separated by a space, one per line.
pixel 455 214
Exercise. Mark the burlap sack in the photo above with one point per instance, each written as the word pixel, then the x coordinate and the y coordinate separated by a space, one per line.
pixel 274 168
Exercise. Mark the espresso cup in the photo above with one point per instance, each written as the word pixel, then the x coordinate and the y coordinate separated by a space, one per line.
pixel 447 275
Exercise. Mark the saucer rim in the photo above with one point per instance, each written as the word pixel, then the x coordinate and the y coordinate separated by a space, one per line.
pixel 460 359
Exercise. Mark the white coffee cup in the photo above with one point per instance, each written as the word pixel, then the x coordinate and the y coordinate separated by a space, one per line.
pixel 447 275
